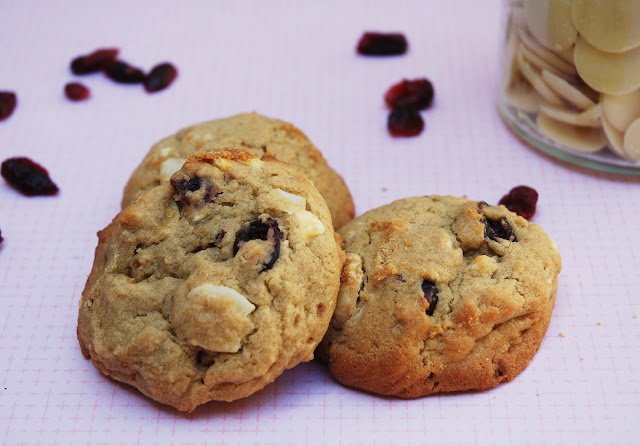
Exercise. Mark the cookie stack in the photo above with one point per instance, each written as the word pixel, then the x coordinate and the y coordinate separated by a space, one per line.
pixel 223 270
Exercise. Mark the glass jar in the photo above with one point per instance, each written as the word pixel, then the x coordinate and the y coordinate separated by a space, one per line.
pixel 571 80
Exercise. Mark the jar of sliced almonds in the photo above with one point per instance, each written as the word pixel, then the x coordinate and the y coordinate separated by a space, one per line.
pixel 571 79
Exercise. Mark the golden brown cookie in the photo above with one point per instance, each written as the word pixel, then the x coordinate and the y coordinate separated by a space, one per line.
pixel 210 285
pixel 256 134
pixel 440 294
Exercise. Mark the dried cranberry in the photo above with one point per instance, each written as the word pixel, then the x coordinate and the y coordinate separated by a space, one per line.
pixel 160 77
pixel 405 122
pixel 93 62
pixel 194 191
pixel 416 94
pixel 261 230
pixel 8 101
pixel 123 73
pixel 1 239
pixel 28 177
pixel 382 44
pixel 76 91
pixel 430 291
pixel 522 200
pixel 495 229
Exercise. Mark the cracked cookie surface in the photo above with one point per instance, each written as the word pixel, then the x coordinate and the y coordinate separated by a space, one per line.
pixel 209 286
pixel 256 134
pixel 439 294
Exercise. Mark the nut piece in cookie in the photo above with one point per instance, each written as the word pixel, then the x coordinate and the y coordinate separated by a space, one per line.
pixel 439 294
pixel 212 284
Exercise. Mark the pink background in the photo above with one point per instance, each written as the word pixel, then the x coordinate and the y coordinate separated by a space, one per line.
pixel 296 61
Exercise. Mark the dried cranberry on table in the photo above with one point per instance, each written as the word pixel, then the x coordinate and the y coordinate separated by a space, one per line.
pixel 522 200
pixel 76 91
pixel 27 176
pixel 123 73
pixel 94 62
pixel 382 44
pixel 8 102
pixel 1 239
pixel 160 77
pixel 416 94
pixel 405 122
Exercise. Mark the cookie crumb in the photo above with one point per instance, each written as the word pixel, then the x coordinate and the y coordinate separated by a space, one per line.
pixel 561 335
pixel 581 358
pixel 599 324
pixel 635 316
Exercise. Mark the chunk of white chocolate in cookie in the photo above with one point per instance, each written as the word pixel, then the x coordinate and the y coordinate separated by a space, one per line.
pixel 213 317
pixel 308 225
pixel 169 167
pixel 350 285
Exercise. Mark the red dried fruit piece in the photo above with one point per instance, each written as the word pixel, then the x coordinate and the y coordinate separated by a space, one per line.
pixel 8 102
pixel 123 73
pixel 160 77
pixel 405 122
pixel 76 91
pixel 522 200
pixel 28 177
pixel 94 62
pixel 1 239
pixel 416 94
pixel 382 44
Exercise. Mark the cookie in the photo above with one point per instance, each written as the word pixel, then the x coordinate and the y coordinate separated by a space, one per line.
pixel 439 294
pixel 256 134
pixel 212 284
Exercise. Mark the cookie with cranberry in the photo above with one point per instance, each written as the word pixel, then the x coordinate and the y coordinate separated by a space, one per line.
pixel 256 134
pixel 440 294
pixel 212 284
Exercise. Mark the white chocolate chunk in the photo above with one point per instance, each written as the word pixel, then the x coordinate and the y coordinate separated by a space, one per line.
pixel 615 137
pixel 567 91
pixel 309 225
pixel 622 110
pixel 293 198
pixel 170 166
pixel 256 163
pixel 609 25
pixel 537 83
pixel 632 141
pixel 350 285
pixel 583 139
pixel 211 291
pixel 552 58
pixel 165 151
pixel 223 164
pixel 611 73
pixel 551 23
pixel 588 118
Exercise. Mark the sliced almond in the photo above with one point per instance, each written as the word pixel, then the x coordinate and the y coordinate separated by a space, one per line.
pixel 615 137
pixel 588 118
pixel 536 82
pixel 551 23
pixel 610 73
pixel 549 56
pixel 622 110
pixel 539 62
pixel 632 141
pixel 609 25
pixel 583 139
pixel 567 91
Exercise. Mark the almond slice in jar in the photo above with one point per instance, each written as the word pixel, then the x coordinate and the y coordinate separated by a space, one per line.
pixel 549 56
pixel 615 137
pixel 608 25
pixel 536 82
pixel 622 110
pixel 610 73
pixel 567 91
pixel 588 118
pixel 551 23
pixel 539 62
pixel 632 141
pixel 583 139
